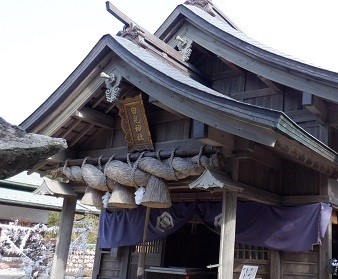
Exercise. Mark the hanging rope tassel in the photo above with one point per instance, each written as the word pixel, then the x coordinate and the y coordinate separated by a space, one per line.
pixel 142 257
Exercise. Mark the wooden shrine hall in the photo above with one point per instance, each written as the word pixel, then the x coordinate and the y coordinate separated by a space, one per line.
pixel 209 154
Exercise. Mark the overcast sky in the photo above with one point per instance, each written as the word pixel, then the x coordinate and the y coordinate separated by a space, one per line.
pixel 43 41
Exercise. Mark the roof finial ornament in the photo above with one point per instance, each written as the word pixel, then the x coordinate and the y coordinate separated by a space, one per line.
pixel 205 5
pixel 184 47
pixel 133 33
pixel 112 82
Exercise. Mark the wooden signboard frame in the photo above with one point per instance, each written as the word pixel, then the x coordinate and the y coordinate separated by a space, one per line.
pixel 135 124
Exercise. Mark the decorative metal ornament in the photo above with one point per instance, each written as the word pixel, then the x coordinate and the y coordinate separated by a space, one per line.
pixel 205 5
pixel 112 82
pixel 211 179
pixel 134 34
pixel 184 47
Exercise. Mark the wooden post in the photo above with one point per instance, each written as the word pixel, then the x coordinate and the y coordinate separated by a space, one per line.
pixel 228 228
pixel 325 249
pixel 325 253
pixel 275 264
pixel 64 237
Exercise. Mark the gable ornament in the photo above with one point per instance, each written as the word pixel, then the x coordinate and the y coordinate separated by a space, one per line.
pixel 184 47
pixel 112 82
pixel 205 5
pixel 134 34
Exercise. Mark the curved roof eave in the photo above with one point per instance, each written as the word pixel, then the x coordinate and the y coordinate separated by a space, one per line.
pixel 238 48
pixel 202 98
pixel 184 95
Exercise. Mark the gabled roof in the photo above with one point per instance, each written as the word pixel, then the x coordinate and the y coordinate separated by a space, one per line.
pixel 183 94
pixel 220 38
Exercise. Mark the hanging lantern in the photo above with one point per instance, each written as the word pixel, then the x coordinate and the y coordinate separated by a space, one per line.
pixel 156 194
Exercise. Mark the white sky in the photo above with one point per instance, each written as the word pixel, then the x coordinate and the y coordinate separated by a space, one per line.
pixel 43 41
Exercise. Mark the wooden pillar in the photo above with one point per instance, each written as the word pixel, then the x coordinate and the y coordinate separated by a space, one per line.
pixel 325 249
pixel 275 264
pixel 325 253
pixel 228 229
pixel 64 237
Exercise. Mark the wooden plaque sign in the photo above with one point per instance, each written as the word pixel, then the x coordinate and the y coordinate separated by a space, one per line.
pixel 135 124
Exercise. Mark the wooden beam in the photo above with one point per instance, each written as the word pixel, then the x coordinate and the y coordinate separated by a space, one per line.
pixel 302 115
pixel 225 74
pixel 314 104
pixel 204 195
pixel 95 117
pixel 305 199
pixel 198 130
pixel 249 193
pixel 254 93
pixel 63 239
pixel 165 146
pixel 55 159
pixel 271 84
pixel 245 149
pixel 232 66
pixel 212 136
pixel 259 195
pixel 63 155
pixel 164 154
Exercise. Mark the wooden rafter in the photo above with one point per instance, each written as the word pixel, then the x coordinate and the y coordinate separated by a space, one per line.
pixel 95 117
pixel 80 135
pixel 70 128
pixel 99 100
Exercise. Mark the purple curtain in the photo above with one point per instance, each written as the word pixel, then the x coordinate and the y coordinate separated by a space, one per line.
pixel 279 227
pixel 287 228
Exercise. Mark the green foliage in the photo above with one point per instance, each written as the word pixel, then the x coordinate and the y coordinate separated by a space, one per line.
pixel 80 221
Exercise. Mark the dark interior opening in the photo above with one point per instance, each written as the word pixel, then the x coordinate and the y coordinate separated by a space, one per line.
pixel 193 246
pixel 334 241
